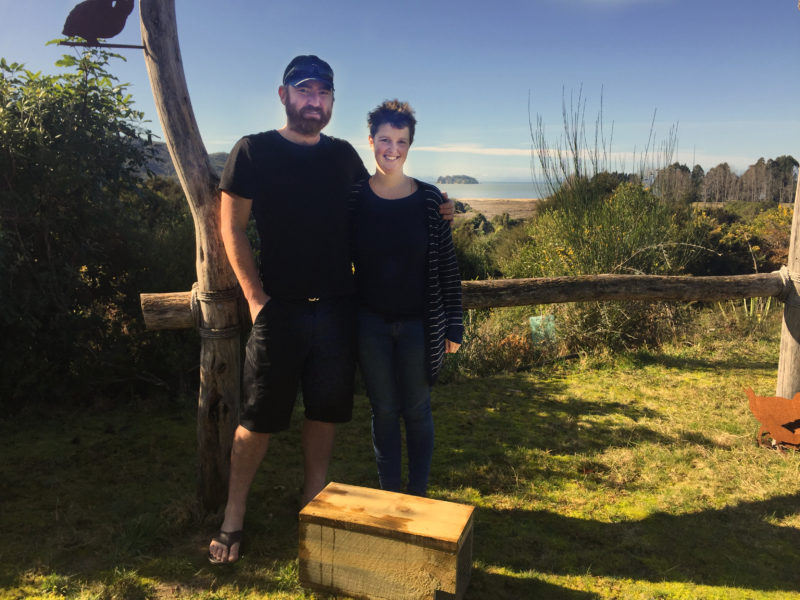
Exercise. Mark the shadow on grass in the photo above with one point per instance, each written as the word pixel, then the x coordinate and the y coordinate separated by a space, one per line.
pixel 734 546
pixel 507 428
pixel 502 587
pixel 534 413
pixel 714 365
pixel 91 494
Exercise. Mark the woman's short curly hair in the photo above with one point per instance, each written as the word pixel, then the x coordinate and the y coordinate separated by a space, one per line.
pixel 397 114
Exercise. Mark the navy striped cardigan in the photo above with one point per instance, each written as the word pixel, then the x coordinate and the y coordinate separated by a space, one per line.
pixel 443 317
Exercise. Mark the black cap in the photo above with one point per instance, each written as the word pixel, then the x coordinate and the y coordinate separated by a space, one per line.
pixel 306 67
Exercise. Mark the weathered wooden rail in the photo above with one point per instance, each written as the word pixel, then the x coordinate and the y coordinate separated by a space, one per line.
pixel 178 310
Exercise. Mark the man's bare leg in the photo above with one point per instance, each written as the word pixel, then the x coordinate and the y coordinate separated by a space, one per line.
pixel 317 449
pixel 249 449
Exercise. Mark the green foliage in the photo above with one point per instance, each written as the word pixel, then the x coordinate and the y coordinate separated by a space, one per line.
pixel 481 244
pixel 80 233
pixel 583 233
pixel 496 341
pixel 746 237
pixel 583 230
pixel 461 207
pixel 473 243
pixel 59 585
pixel 127 585
pixel 773 229
pixel 608 224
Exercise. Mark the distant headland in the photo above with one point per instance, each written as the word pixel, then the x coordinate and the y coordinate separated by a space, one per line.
pixel 456 179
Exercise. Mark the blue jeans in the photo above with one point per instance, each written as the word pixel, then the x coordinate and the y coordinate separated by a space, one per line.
pixel 392 358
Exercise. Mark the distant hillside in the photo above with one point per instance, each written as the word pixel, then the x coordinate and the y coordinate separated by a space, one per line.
pixel 456 179
pixel 162 163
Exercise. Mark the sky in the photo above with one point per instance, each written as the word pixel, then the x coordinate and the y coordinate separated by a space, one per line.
pixel 718 77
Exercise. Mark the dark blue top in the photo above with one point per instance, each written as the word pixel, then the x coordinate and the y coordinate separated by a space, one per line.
pixel 391 242
pixel 442 314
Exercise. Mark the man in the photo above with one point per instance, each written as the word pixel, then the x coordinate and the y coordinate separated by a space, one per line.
pixel 296 181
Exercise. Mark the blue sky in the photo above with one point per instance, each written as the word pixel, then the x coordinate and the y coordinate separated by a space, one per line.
pixel 723 72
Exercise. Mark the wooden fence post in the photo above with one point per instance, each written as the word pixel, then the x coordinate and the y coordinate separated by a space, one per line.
pixel 789 361
pixel 215 297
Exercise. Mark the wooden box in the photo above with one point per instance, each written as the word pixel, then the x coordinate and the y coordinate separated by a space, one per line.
pixel 368 543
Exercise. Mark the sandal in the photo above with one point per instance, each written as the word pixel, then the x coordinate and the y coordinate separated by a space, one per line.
pixel 227 539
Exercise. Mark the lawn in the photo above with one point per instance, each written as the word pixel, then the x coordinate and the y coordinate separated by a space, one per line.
pixel 636 476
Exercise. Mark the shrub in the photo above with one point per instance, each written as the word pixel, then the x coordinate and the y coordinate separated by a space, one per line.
pixel 495 341
pixel 628 231
pixel 81 234
pixel 773 228
pixel 753 241
pixel 473 252
pixel 481 244
pixel 582 231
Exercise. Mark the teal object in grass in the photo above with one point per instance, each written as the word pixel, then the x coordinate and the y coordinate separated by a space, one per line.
pixel 543 328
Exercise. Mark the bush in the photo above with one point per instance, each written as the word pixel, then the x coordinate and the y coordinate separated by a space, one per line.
pixel 496 340
pixel 755 241
pixel 584 231
pixel 81 234
pixel 473 252
pixel 481 244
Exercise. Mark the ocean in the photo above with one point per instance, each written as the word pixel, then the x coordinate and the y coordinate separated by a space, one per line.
pixel 491 189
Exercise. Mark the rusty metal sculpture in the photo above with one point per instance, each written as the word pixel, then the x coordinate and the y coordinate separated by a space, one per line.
pixel 779 417
pixel 96 19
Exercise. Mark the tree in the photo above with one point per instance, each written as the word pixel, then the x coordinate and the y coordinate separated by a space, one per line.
pixel 698 175
pixel 76 229
pixel 720 184
pixel 697 178
pixel 770 180
pixel 756 183
pixel 674 184
pixel 783 171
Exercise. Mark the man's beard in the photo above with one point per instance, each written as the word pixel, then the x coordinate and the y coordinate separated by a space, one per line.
pixel 301 124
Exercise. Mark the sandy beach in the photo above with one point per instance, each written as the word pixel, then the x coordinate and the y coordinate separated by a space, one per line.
pixel 517 208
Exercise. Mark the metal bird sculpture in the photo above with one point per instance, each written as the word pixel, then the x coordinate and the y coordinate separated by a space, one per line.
pixel 780 417
pixel 94 19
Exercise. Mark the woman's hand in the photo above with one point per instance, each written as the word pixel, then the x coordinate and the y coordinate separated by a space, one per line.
pixel 451 347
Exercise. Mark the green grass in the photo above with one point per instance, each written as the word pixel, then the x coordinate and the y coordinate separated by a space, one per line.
pixel 635 476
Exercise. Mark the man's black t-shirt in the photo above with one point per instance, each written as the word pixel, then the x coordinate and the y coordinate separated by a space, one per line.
pixel 299 196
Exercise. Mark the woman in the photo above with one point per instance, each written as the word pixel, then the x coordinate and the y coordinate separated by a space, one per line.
pixel 409 293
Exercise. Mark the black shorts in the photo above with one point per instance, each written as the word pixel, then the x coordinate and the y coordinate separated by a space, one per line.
pixel 293 343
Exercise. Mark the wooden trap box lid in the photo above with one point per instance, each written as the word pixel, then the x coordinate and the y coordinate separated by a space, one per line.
pixel 420 521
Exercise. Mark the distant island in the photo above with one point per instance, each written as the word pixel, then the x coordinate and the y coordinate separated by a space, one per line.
pixel 456 179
